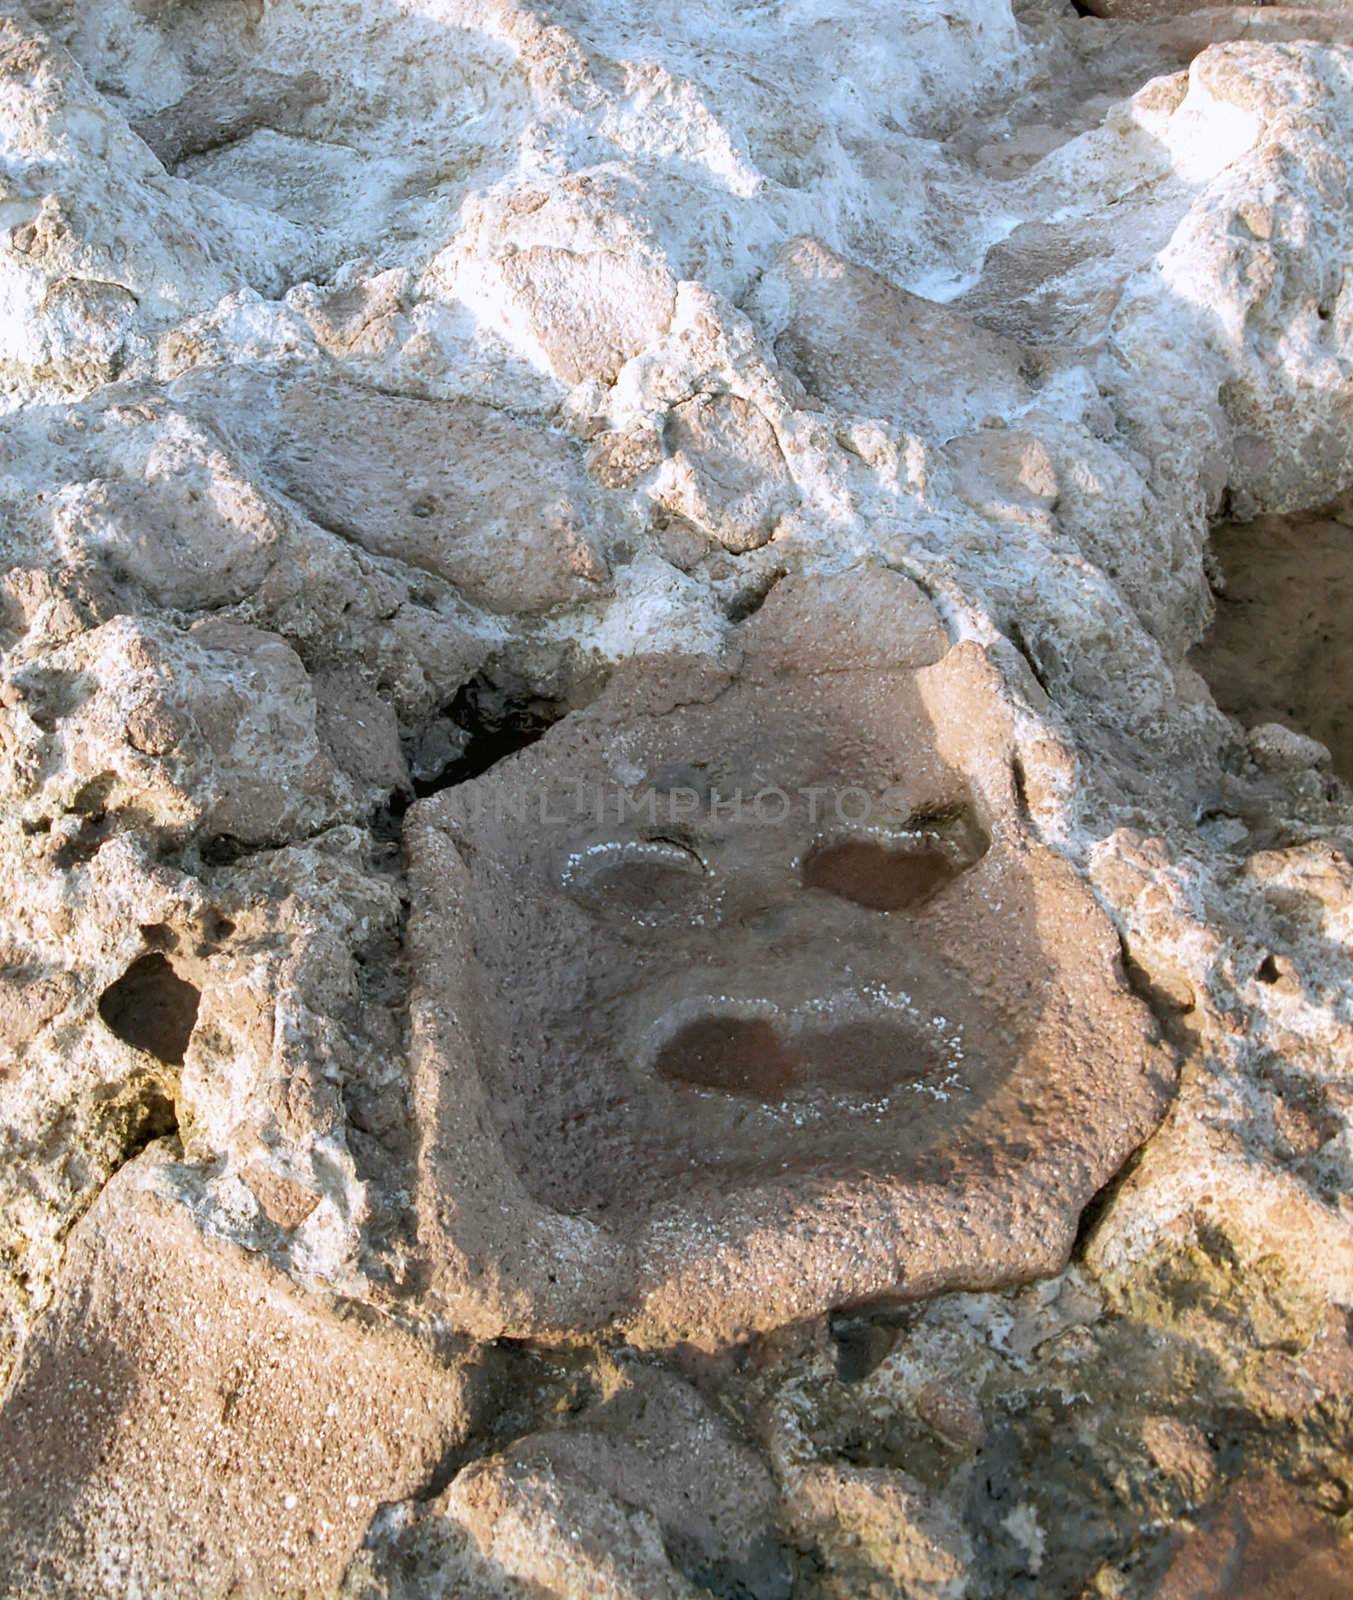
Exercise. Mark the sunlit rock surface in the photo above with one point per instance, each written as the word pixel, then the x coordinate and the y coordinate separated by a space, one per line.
pixel 450 1143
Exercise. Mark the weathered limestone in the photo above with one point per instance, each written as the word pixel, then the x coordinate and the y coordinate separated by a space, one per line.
pixel 861 343
pixel 216 730
pixel 100 248
pixel 497 509
pixel 1281 639
pixel 186 1422
pixel 589 312
pixel 428 427
pixel 730 476
pixel 648 1493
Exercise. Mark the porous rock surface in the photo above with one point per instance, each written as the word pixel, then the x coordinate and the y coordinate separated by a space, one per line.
pixel 678 865
pixel 700 1048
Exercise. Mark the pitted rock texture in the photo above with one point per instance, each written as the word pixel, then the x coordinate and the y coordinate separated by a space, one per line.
pixel 648 1491
pixel 168 1361
pixel 417 407
pixel 758 995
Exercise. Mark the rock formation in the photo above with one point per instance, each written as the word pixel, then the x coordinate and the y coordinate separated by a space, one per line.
pixel 674 788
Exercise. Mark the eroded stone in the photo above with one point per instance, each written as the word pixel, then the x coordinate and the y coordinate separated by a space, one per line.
pixel 174 1372
pixel 498 509
pixel 715 1086
pixel 1257 1542
pixel 1281 649
pixel 731 478
pixel 647 1494
pixel 589 311
pixel 861 343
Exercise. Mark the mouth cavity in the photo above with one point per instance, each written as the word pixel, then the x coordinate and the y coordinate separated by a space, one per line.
pixel 738 1055
pixel 768 1057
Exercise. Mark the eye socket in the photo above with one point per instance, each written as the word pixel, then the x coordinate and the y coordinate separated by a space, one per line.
pixel 646 879
pixel 895 870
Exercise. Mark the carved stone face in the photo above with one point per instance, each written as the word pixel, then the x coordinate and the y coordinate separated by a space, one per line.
pixel 754 961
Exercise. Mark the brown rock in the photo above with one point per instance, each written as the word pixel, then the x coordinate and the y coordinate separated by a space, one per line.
pixel 1258 1542
pixel 232 106
pixel 1282 634
pixel 715 1065
pixel 284 1201
pixel 153 729
pixel 647 1494
pixel 731 476
pixel 185 1421
pixel 952 1412
pixel 360 730
pixel 620 459
pixel 859 342
pixel 29 1000
pixel 1145 10
pixel 1181 1451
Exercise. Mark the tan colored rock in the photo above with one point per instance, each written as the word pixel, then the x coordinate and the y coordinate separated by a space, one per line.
pixel 1145 10
pixel 862 344
pixel 1196 1178
pixel 98 246
pixel 619 459
pixel 500 510
pixel 731 478
pixel 360 730
pixel 360 317
pixel 645 1494
pixel 880 1534
pixel 1181 1451
pixel 284 1201
pixel 1006 473
pixel 215 730
pixel 160 505
pixel 1281 636
pixel 533 1528
pixel 179 520
pixel 751 1061
pixel 185 1421
pixel 28 1001
pixel 590 311
pixel 220 110
pixel 950 1411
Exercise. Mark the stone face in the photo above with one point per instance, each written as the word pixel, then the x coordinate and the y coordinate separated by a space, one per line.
pixel 173 1373
pixel 427 427
pixel 856 997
